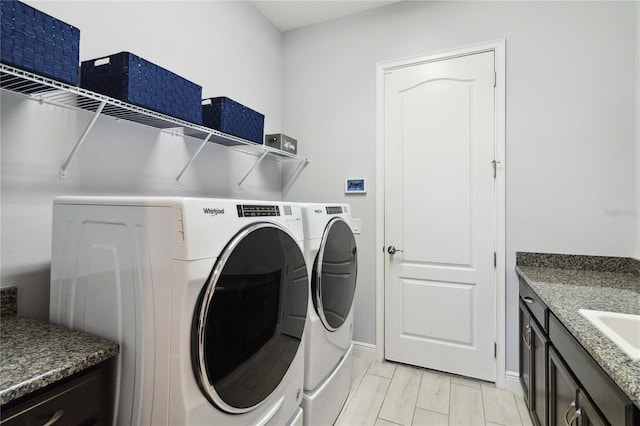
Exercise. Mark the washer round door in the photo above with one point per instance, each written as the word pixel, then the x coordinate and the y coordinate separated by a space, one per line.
pixel 248 326
pixel 333 280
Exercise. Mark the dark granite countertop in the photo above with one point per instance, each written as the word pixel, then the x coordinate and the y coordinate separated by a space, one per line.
pixel 565 290
pixel 34 354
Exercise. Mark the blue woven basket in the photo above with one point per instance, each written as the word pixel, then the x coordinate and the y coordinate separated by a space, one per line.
pixel 131 79
pixel 36 42
pixel 233 118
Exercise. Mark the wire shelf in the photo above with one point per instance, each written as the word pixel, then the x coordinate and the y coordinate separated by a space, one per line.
pixel 49 91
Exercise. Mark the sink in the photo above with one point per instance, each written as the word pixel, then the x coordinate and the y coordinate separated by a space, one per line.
pixel 622 329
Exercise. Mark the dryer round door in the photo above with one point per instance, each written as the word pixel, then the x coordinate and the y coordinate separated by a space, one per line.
pixel 248 326
pixel 333 279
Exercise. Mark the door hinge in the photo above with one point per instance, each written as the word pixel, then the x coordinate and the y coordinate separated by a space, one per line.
pixel 494 164
pixel 495 350
pixel 495 260
pixel 495 78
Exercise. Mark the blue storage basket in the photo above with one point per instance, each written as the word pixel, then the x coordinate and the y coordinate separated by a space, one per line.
pixel 134 80
pixel 36 42
pixel 233 118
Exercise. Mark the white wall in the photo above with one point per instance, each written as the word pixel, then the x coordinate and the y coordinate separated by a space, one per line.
pixel 571 120
pixel 229 48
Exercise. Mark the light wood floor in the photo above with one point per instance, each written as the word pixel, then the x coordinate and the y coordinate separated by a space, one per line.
pixel 387 394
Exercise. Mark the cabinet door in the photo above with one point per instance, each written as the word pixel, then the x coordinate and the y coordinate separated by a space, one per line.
pixel 538 392
pixel 525 351
pixel 602 392
pixel 533 365
pixel 563 391
pixel 590 415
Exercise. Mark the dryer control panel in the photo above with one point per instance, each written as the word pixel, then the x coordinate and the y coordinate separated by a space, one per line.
pixel 249 210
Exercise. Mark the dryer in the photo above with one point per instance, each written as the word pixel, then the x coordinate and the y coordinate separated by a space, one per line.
pixel 332 259
pixel 207 298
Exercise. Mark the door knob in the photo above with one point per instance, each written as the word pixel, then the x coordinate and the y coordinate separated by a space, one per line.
pixel 393 250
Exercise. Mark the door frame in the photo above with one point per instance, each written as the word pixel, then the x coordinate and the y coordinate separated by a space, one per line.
pixel 498 47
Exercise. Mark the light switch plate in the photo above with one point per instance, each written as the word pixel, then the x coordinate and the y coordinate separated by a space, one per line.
pixel 356 225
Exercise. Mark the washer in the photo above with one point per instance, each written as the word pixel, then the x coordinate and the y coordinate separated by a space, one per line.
pixel 332 259
pixel 207 298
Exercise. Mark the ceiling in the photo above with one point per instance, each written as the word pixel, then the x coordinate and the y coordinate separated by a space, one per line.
pixel 289 15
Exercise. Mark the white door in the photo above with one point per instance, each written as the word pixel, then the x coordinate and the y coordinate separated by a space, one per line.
pixel 440 215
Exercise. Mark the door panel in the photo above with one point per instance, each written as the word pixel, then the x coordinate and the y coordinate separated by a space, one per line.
pixel 440 214
pixel 424 113
pixel 333 280
pixel 245 334
pixel 451 302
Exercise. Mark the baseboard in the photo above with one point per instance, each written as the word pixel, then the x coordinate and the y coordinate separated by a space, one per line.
pixel 364 350
pixel 512 382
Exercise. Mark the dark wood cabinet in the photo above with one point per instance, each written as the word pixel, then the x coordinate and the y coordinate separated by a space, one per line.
pixel 563 384
pixel 82 399
pixel 533 364
pixel 588 414
pixel 563 391
pixel 525 350
pixel 600 399
pixel 539 345
pixel 569 404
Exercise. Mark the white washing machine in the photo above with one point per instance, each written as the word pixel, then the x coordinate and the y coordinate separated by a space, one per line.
pixel 207 297
pixel 332 259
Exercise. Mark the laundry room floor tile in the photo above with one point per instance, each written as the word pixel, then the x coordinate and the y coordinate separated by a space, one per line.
pixel 423 417
pixel 382 422
pixel 466 406
pixel 500 406
pixel 382 369
pixel 365 405
pixel 360 367
pixel 524 411
pixel 401 397
pixel 466 382
pixel 390 394
pixel 434 392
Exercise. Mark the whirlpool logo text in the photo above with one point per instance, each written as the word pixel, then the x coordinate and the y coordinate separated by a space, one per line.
pixel 213 211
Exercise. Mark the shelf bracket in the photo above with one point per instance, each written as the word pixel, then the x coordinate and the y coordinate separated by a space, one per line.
pixel 204 142
pixel 264 154
pixel 296 172
pixel 65 166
